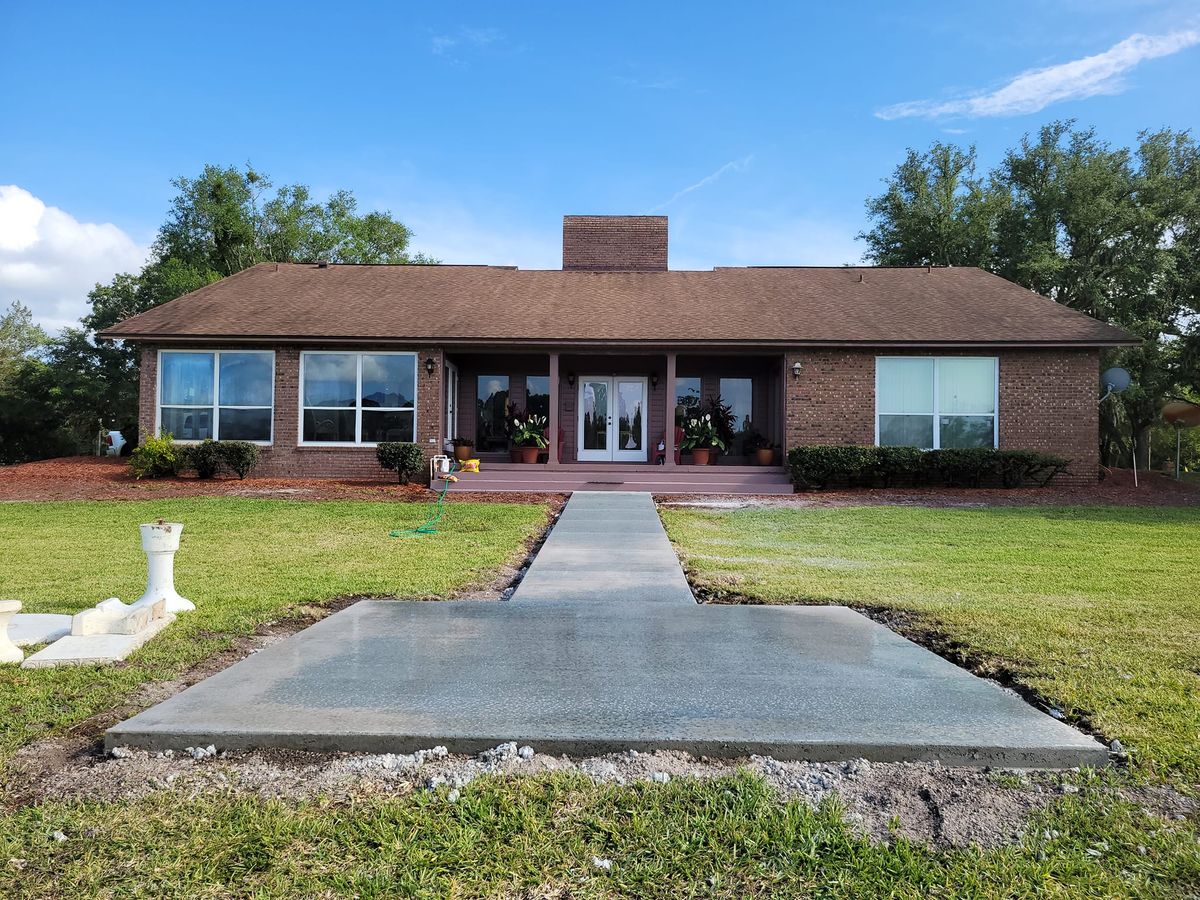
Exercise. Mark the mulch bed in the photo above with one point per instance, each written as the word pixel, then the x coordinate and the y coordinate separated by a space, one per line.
pixel 108 478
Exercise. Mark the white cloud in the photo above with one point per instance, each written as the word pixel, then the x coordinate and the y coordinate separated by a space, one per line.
pixel 1036 89
pixel 49 260
pixel 735 165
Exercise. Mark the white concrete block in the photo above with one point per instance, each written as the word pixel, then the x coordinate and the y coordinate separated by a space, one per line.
pixel 9 652
pixel 28 629
pixel 90 649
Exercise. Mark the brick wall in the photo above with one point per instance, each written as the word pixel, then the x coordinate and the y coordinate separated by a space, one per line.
pixel 1047 402
pixel 615 243
pixel 285 457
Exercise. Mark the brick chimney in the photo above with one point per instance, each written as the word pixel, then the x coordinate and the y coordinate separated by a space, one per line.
pixel 615 243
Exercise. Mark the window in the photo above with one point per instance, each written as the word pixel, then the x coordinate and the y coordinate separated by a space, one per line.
pixel 358 398
pixel 537 395
pixel 227 395
pixel 687 398
pixel 491 406
pixel 935 402
pixel 738 395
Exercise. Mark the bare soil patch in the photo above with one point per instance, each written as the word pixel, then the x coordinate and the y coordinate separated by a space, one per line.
pixel 934 804
pixel 108 478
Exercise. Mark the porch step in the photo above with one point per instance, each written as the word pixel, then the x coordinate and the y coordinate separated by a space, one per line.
pixel 652 479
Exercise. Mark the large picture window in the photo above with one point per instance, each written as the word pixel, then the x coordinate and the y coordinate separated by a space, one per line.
pixel 935 402
pixel 357 398
pixel 226 395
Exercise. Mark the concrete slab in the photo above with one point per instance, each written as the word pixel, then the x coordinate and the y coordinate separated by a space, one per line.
pixel 90 649
pixel 815 683
pixel 29 629
pixel 606 547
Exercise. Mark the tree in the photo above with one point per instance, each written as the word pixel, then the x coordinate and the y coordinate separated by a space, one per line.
pixel 19 338
pixel 935 211
pixel 1111 232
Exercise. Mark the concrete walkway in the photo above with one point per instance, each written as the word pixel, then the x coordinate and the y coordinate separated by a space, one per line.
pixel 603 649
pixel 606 547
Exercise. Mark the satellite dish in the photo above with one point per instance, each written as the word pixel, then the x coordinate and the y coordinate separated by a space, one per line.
pixel 1115 380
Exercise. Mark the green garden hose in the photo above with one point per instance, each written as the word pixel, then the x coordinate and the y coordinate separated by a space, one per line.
pixel 430 525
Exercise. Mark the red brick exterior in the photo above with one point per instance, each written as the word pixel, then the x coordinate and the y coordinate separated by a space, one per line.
pixel 615 243
pixel 285 457
pixel 1047 402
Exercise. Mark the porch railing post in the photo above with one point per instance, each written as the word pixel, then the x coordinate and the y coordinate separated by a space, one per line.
pixel 552 429
pixel 669 414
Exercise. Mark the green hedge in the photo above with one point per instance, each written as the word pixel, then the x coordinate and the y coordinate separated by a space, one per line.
pixel 163 457
pixel 820 466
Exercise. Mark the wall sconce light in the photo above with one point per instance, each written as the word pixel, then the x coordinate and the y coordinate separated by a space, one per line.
pixel 429 365
pixel 571 379
pixel 654 380
pixel 796 369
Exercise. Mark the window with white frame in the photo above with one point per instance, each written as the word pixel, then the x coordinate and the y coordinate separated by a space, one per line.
pixel 935 401
pixel 227 395
pixel 357 398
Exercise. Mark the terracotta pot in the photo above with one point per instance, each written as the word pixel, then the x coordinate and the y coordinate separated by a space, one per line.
pixel 463 453
pixel 764 456
pixel 529 455
pixel 700 455
pixel 514 454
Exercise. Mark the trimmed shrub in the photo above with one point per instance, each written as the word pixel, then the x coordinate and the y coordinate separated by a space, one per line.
pixel 240 457
pixel 204 458
pixel 401 457
pixel 816 467
pixel 157 457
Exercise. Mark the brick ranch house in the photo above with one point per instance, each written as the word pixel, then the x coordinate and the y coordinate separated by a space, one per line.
pixel 319 362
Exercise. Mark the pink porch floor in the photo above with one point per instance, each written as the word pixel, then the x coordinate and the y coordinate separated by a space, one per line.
pixel 626 477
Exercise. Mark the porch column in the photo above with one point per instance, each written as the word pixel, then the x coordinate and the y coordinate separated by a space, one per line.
pixel 669 418
pixel 552 430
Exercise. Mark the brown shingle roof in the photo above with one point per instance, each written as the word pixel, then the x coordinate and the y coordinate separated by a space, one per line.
pixel 485 304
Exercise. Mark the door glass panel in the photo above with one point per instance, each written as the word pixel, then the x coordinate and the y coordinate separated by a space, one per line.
pixel 595 415
pixel 630 407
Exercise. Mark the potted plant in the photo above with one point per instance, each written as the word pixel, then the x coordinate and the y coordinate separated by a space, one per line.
pixel 515 452
pixel 700 436
pixel 759 447
pixel 464 448
pixel 724 423
pixel 529 434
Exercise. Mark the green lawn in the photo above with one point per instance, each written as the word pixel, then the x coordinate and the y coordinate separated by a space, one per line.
pixel 1097 609
pixel 243 562
pixel 536 838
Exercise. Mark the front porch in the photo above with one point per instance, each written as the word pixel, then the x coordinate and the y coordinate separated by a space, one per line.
pixel 616 417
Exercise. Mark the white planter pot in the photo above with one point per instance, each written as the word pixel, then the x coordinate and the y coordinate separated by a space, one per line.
pixel 159 543
pixel 9 652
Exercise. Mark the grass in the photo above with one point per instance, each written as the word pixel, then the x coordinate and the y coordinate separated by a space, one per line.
pixel 243 562
pixel 1095 609
pixel 536 837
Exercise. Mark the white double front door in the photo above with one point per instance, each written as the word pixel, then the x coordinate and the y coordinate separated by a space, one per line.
pixel 612 418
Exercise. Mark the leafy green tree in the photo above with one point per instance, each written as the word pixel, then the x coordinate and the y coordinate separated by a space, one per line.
pixel 935 211
pixel 19 338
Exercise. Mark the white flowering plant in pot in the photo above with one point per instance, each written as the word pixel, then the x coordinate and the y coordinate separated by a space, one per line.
pixel 529 433
pixel 700 435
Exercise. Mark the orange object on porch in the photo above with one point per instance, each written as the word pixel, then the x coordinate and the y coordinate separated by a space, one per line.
pixel 469 465
pixel 660 455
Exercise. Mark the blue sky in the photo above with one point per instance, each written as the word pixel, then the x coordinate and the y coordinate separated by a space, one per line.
pixel 759 129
